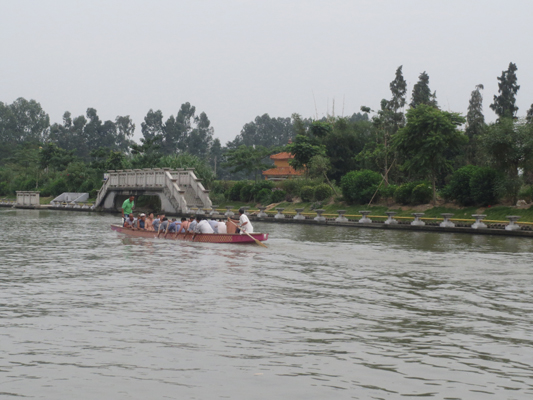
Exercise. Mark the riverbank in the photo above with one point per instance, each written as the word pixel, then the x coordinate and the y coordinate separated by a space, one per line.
pixel 496 213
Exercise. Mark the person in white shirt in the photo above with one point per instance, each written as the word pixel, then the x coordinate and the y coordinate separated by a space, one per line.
pixel 214 224
pixel 222 228
pixel 202 226
pixel 244 223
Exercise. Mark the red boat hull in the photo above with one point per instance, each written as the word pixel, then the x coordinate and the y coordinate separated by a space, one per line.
pixel 191 237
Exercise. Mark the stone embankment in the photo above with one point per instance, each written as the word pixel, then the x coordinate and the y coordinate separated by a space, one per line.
pixel 446 224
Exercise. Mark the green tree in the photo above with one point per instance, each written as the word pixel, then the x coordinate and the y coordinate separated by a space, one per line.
pixel 54 157
pixel 475 123
pixel 345 140
pixel 422 94
pixel 200 137
pixel 377 154
pixel 304 148
pixel 529 116
pixel 216 154
pixel 318 167
pixel 426 138
pixel 475 120
pixel 509 145
pixel 21 122
pixel 125 128
pixel 265 131
pixel 184 133
pixel 152 127
pixel 505 102
pixel 248 159
pixel 398 88
pixel 31 123
pixel 71 135
pixel 146 154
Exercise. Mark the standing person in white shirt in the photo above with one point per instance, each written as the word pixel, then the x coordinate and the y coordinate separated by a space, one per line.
pixel 244 223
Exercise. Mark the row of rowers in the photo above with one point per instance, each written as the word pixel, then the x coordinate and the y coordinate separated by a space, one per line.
pixel 195 224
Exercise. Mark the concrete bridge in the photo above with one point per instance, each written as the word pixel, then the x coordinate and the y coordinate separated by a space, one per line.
pixel 179 190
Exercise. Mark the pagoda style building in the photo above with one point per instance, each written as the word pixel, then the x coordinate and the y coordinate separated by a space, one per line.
pixel 282 170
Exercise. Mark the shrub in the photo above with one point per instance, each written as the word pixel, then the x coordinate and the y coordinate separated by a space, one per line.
pixel 87 186
pixel 234 193
pixel 307 193
pixel 217 198
pixel 56 187
pixel 77 174
pixel 264 196
pixel 359 186
pixel 422 194
pixel 257 187
pixel 295 185
pixel 322 192
pixel 28 184
pixel 526 193
pixel 483 186
pixel 246 193
pixel 459 187
pixel 278 195
pixel 291 186
pixel 387 192
pixel 403 193
pixel 220 187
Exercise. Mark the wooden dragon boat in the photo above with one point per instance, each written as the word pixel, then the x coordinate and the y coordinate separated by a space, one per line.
pixel 198 237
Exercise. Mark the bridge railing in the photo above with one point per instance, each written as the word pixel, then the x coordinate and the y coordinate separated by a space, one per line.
pixel 175 192
pixel 199 189
pixel 102 192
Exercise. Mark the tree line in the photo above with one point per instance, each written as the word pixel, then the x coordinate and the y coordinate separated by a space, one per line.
pixel 401 141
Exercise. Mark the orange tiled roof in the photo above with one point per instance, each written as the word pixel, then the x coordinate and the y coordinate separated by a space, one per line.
pixel 282 171
pixel 282 156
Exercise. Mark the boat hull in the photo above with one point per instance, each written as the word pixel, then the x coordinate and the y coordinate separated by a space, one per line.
pixel 199 237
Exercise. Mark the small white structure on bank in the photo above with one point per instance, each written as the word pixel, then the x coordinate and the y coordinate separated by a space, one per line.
pixel 27 199
pixel 70 197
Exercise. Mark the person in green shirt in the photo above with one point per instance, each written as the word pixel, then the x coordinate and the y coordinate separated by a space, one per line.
pixel 128 206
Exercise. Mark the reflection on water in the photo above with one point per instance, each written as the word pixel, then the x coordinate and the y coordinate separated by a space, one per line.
pixel 323 313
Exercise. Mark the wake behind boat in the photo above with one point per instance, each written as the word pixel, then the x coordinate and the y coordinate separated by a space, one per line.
pixel 195 237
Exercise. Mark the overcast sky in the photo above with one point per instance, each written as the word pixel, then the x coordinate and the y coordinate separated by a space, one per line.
pixel 236 59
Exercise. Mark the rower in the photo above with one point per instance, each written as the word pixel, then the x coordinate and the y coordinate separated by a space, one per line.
pixel 214 224
pixel 141 222
pixel 192 223
pixel 203 226
pixel 156 222
pixel 163 227
pixel 172 227
pixel 149 222
pixel 222 228
pixel 130 222
pixel 184 225
pixel 244 223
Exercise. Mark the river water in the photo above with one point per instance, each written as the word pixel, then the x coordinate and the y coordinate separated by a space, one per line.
pixel 323 313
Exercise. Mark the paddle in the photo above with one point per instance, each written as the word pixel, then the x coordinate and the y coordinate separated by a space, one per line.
pixel 254 239
pixel 159 229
